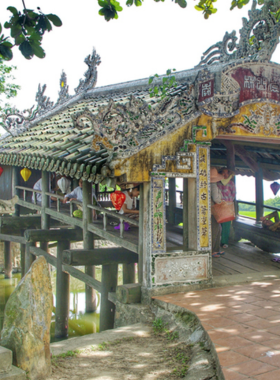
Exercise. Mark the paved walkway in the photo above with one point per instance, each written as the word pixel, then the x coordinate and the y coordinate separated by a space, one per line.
pixel 243 322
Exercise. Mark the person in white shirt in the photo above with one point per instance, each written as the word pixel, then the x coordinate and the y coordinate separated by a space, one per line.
pixel 76 194
pixel 37 186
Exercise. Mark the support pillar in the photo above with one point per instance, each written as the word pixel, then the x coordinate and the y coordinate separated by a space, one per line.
pixel 129 273
pixel 259 194
pixel 29 257
pixel 8 259
pixel 109 284
pixel 45 219
pixel 185 215
pixel 144 226
pixel 22 259
pixel 172 200
pixel 230 157
pixel 62 293
pixel 15 181
pixel 88 244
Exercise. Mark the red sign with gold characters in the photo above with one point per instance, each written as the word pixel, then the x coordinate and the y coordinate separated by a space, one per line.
pixel 260 85
pixel 206 90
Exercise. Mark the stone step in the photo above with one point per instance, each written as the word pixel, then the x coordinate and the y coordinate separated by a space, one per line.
pixel 14 374
pixel 7 370
pixel 6 359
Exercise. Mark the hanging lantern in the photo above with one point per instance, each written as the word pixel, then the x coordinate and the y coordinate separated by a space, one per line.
pixel 1 171
pixel 117 198
pixel 275 187
pixel 25 173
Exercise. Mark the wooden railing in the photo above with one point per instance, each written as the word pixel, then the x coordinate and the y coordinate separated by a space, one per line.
pixel 180 192
pixel 115 214
pixel 104 196
pixel 27 189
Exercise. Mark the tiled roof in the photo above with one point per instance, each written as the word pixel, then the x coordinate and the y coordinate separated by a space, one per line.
pixel 52 142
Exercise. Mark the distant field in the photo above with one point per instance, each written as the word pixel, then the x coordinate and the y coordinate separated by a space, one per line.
pixel 252 214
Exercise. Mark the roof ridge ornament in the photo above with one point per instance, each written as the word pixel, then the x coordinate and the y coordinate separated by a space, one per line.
pixel 91 74
pixel 63 94
pixel 44 103
pixel 259 37
pixel 16 122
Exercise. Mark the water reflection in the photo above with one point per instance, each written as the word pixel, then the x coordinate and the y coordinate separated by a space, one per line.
pixel 7 286
pixel 80 323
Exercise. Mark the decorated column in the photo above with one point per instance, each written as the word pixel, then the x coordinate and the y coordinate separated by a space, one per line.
pixel 191 263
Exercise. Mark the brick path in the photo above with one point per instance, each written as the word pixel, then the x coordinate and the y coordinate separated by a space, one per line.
pixel 243 322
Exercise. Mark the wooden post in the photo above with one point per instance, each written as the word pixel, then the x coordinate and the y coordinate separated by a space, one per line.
pixel 129 273
pixel 144 225
pixel 259 194
pixel 62 293
pixel 88 244
pixel 29 257
pixel 172 200
pixel 45 189
pixel 22 257
pixel 15 180
pixel 109 284
pixel 8 259
pixel 185 215
pixel 230 156
pixel 45 219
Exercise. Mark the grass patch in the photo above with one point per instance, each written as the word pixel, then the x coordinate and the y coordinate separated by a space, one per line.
pixel 252 214
pixel 176 354
pixel 158 326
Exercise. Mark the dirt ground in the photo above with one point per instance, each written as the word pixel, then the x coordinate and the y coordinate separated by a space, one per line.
pixel 159 356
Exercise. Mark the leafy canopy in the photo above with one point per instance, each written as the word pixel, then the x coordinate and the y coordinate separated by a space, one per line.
pixel 28 26
pixel 26 31
pixel 7 90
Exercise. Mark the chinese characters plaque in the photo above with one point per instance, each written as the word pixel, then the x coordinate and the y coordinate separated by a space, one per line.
pixel 203 198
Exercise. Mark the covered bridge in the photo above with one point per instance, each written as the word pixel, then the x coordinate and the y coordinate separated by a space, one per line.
pixel 224 111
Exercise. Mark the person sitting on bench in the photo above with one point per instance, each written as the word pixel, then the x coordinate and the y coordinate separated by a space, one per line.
pixel 129 206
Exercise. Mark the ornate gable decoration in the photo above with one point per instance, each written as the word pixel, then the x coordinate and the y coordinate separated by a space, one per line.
pixel 16 122
pixel 91 74
pixel 259 37
pixel 63 94
pixel 135 124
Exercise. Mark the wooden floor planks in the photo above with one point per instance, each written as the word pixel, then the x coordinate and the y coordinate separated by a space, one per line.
pixel 243 258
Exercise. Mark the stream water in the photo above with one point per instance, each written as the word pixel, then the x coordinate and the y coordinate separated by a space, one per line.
pixel 80 323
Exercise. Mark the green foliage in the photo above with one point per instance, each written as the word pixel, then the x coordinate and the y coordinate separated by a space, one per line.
pixel 158 326
pixel 103 346
pixel 171 335
pixel 273 202
pixel 26 30
pixel 206 6
pixel 110 9
pixel 67 354
pixel 8 90
pixel 161 89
